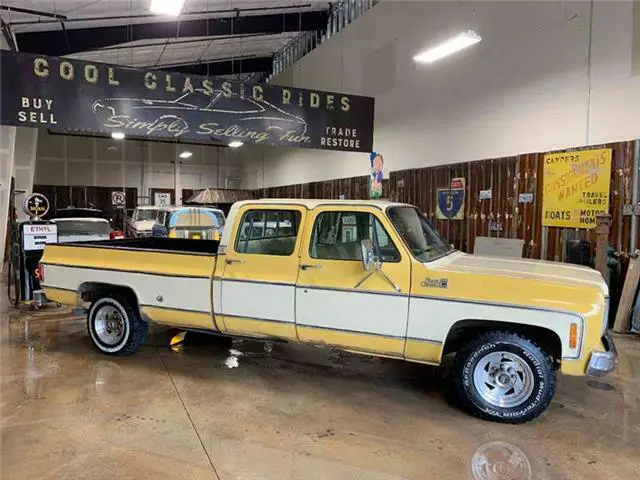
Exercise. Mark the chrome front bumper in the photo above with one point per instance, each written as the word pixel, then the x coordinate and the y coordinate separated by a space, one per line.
pixel 602 363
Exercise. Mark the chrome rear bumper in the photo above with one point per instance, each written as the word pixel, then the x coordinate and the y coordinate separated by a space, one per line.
pixel 602 363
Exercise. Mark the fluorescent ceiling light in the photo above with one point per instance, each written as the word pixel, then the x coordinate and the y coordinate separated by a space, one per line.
pixel 453 45
pixel 167 7
pixel 117 135
pixel 235 144
pixel 185 154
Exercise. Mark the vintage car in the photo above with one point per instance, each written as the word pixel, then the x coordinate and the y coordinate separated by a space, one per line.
pixel 196 223
pixel 142 221
pixel 84 225
pixel 391 287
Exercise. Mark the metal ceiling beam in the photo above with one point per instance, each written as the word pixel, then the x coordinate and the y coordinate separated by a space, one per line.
pixel 183 15
pixel 6 33
pixel 84 39
pixel 237 65
pixel 28 11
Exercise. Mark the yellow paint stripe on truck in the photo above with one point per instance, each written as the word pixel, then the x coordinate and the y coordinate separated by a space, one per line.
pixel 65 297
pixel 163 263
pixel 179 318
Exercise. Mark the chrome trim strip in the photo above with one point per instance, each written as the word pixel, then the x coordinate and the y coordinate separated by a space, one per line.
pixel 352 290
pixel 58 288
pixel 125 271
pixel 426 340
pixel 263 282
pixel 162 307
pixel 245 317
pixel 341 330
pixel 104 244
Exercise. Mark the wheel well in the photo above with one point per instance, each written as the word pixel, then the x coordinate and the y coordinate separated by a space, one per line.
pixel 463 330
pixel 91 291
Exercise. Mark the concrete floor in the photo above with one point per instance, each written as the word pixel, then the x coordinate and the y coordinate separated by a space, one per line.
pixel 294 413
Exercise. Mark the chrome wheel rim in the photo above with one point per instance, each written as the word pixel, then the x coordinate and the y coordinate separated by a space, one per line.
pixel 109 325
pixel 503 379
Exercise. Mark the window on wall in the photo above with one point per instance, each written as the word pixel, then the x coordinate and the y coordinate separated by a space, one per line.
pixel 268 232
pixel 337 236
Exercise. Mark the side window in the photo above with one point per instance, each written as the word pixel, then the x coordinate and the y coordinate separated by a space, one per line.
pixel 268 232
pixel 337 236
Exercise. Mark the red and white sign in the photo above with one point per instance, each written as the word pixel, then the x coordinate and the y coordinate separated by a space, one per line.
pixel 35 237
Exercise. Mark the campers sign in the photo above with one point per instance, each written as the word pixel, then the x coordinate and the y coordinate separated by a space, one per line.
pixel 67 94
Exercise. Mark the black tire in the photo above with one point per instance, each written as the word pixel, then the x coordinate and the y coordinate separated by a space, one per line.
pixel 134 329
pixel 540 375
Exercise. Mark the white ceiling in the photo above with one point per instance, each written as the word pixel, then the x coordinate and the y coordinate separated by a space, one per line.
pixel 159 52
pixel 77 10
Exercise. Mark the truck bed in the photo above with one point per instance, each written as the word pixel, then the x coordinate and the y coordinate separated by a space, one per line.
pixel 170 278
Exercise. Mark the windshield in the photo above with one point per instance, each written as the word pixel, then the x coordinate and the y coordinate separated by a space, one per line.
pixel 418 234
pixel 146 214
pixel 80 227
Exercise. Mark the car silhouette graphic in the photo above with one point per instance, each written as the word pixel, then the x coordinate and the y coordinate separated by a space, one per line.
pixel 195 108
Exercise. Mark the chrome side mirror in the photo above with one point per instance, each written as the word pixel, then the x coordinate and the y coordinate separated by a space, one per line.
pixel 369 260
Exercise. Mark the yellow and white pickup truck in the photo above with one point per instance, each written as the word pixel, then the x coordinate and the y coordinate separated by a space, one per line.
pixel 364 276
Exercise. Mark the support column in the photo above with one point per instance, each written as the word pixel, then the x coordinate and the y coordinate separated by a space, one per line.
pixel 177 184
pixel 25 149
pixel 7 170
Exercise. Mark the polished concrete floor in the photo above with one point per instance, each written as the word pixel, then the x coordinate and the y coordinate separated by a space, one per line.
pixel 296 412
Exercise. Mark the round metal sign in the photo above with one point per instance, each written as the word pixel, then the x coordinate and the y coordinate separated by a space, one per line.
pixel 36 205
pixel 118 198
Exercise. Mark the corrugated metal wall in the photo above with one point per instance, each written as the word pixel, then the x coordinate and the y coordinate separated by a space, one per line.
pixel 507 178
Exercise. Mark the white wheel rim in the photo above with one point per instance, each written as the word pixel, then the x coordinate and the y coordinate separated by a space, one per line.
pixel 109 325
pixel 96 319
pixel 503 379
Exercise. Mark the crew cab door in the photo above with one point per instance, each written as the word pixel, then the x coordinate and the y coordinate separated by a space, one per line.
pixel 260 269
pixel 333 305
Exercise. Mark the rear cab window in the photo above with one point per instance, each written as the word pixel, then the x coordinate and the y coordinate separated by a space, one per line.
pixel 268 232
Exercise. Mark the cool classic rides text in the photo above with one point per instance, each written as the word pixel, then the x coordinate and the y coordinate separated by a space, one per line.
pixel 93 74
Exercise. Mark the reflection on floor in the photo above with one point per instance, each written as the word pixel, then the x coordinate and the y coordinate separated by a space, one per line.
pixel 207 410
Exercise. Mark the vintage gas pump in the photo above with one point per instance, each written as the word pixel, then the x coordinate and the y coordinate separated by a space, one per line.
pixel 29 239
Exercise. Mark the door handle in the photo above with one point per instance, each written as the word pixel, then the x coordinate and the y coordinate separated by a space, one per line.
pixel 229 261
pixel 305 266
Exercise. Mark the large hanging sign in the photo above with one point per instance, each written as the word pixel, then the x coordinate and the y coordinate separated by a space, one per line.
pixel 73 95
pixel 575 188
pixel 451 201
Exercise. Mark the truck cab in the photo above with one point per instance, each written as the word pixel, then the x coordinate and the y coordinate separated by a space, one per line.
pixel 370 277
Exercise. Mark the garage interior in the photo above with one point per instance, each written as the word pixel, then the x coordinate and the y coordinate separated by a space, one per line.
pixel 542 81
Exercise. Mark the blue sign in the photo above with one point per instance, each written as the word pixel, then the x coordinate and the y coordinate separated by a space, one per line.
pixel 450 203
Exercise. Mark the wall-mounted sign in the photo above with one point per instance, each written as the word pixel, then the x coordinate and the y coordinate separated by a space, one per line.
pixel 35 205
pixel 162 199
pixel 485 194
pixel 575 188
pixel 525 198
pixel 118 199
pixel 69 94
pixel 377 162
pixel 450 203
pixel 495 226
pixel 36 236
